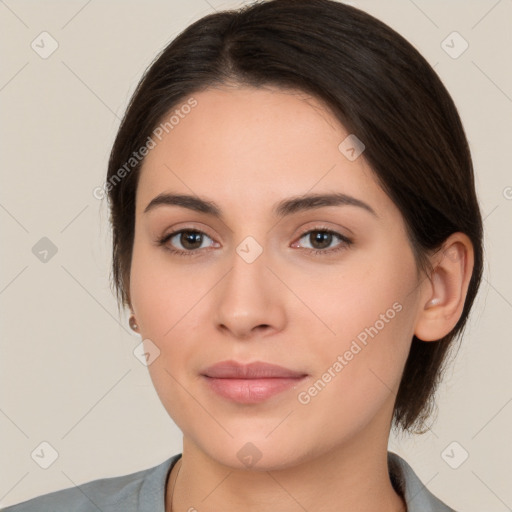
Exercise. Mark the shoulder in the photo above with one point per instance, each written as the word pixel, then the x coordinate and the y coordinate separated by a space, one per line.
pixel 416 495
pixel 139 491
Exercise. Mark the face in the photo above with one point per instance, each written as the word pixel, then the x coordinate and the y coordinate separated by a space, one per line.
pixel 330 292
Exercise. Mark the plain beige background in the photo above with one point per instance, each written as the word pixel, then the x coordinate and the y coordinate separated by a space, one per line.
pixel 68 374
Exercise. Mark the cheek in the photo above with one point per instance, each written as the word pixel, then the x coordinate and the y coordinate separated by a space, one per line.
pixel 358 371
pixel 165 303
pixel 169 305
pixel 370 295
pixel 161 293
pixel 370 309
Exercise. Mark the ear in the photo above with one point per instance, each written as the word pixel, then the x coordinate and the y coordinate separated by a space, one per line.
pixel 444 292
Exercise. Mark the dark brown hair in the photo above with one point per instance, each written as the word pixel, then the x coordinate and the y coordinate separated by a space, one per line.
pixel 378 86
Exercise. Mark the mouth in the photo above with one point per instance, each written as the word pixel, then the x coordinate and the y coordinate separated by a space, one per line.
pixel 250 383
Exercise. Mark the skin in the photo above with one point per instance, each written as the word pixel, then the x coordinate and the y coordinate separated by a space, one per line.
pixel 246 149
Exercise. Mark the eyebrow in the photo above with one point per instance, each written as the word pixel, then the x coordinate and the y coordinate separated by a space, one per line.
pixel 281 209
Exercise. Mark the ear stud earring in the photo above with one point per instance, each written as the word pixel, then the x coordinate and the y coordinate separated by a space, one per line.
pixel 133 324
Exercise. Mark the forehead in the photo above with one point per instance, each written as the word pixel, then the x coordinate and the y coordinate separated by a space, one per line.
pixel 253 145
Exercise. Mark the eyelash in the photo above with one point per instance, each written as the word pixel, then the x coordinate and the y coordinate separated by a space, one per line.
pixel 345 242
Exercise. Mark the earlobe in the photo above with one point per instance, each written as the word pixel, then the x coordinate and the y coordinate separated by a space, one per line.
pixel 433 302
pixel 439 291
pixel 445 290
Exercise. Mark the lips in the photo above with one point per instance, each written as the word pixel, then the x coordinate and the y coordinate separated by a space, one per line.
pixel 250 383
pixel 256 370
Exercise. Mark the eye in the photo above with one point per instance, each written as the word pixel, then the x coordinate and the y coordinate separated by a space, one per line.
pixel 323 238
pixel 190 239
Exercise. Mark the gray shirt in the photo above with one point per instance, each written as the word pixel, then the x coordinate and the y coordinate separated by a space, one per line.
pixel 144 491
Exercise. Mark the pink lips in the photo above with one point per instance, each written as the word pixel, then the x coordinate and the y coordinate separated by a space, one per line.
pixel 250 383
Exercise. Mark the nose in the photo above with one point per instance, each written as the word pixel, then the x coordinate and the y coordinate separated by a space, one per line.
pixel 249 301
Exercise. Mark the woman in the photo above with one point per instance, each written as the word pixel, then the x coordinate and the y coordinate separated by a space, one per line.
pixel 297 235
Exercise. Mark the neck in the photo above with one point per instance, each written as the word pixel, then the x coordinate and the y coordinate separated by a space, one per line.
pixel 351 478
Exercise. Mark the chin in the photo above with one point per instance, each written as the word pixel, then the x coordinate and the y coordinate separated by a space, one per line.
pixel 255 452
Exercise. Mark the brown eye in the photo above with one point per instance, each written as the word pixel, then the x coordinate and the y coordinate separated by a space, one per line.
pixel 321 240
pixel 190 240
